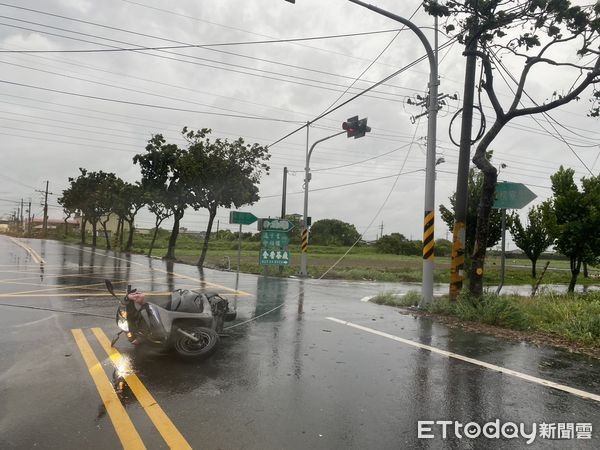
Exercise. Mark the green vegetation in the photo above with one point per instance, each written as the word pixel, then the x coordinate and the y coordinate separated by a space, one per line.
pixel 575 318
pixel 411 298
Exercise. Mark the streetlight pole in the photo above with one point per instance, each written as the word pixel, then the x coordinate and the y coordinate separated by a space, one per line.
pixel 432 109
pixel 304 256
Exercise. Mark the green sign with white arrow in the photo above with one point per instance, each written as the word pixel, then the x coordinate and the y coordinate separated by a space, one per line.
pixel 242 218
pixel 512 196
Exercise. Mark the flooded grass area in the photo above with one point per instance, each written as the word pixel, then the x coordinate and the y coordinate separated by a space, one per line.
pixel 573 317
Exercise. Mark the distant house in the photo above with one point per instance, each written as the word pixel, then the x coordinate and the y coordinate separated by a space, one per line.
pixel 38 223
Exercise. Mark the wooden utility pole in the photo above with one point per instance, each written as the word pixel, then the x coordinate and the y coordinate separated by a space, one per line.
pixel 457 267
pixel 45 226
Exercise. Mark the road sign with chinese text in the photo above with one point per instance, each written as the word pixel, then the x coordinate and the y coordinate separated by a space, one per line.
pixel 274 248
pixel 275 225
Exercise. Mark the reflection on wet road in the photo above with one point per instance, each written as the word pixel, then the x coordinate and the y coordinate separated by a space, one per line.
pixel 286 377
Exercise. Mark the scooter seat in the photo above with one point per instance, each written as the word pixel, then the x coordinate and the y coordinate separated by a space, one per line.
pixel 183 300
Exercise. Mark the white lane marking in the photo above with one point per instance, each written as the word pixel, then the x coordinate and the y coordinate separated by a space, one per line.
pixel 26 324
pixel 514 373
pixel 34 255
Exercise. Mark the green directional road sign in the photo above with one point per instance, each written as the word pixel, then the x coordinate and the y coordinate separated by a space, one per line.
pixel 242 218
pixel 512 195
pixel 275 225
pixel 274 248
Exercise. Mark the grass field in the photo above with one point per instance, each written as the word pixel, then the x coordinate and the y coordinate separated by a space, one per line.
pixel 362 263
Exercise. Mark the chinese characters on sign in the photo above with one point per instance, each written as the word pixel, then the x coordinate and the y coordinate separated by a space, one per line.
pixel 274 248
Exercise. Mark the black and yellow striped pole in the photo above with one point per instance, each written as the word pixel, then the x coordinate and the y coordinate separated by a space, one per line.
pixel 304 244
pixel 428 241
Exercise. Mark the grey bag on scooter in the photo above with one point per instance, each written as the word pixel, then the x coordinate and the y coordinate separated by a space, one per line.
pixel 184 300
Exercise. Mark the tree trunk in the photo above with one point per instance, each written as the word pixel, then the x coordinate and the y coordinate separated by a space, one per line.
pixel 533 264
pixel 585 271
pixel 130 236
pixel 481 235
pixel 106 235
pixel 575 268
pixel 83 224
pixel 211 217
pixel 66 228
pixel 121 234
pixel 158 222
pixel 94 227
pixel 174 233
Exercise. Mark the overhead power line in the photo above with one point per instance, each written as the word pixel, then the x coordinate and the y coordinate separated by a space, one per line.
pixel 363 92
pixel 192 59
pixel 146 105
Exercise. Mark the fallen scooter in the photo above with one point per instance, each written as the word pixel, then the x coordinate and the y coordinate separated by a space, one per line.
pixel 188 322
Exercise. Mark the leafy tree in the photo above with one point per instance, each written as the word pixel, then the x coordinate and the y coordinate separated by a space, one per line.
pixel 162 171
pixel 161 212
pixel 573 217
pixel 535 238
pixel 443 247
pixel 333 232
pixel 91 194
pixel 71 207
pixel 221 173
pixel 134 198
pixel 534 33
pixel 390 243
pixel 295 235
pixel 495 224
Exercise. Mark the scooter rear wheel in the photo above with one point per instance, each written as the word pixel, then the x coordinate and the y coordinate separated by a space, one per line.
pixel 206 346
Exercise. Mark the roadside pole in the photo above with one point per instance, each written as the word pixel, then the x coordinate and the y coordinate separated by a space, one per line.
pixel 304 244
pixel 29 219
pixel 239 249
pixel 429 204
pixel 503 254
pixel 307 176
pixel 283 200
pixel 457 266
pixel 45 227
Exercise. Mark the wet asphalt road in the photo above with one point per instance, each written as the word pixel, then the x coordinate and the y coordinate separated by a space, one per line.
pixel 290 379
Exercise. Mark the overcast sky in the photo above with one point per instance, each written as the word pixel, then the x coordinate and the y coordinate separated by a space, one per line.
pixel 48 135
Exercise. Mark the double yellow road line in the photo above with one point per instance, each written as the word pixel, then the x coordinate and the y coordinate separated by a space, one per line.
pixel 128 435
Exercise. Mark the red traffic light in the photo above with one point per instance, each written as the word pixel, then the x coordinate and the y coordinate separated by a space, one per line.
pixel 356 128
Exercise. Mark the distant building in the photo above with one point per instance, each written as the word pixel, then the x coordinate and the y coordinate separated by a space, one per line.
pixel 38 223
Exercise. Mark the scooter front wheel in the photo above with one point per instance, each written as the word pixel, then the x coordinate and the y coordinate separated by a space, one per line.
pixel 203 348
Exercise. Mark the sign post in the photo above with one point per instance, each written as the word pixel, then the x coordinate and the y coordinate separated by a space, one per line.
pixel 509 196
pixel 242 218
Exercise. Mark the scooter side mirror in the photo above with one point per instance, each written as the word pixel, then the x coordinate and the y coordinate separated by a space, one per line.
pixel 110 287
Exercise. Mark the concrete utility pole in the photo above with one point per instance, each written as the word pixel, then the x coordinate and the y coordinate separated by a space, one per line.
pixel 21 216
pixel 283 200
pixel 429 213
pixel 457 267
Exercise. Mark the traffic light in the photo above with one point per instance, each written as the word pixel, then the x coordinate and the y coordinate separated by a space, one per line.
pixel 362 128
pixel 356 128
pixel 351 126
